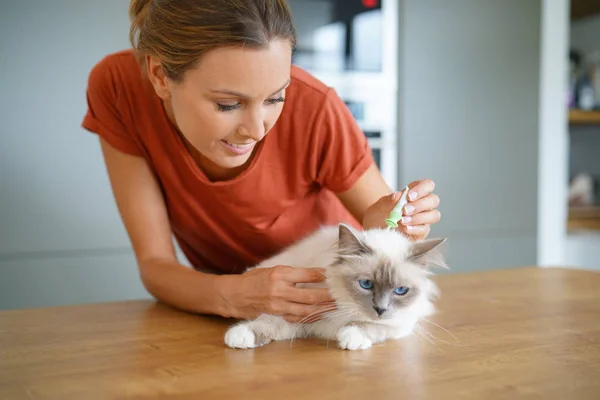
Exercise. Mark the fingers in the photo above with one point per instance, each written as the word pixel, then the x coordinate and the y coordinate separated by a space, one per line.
pixel 295 319
pixel 419 189
pixel 390 200
pixel 303 275
pixel 292 318
pixel 426 203
pixel 313 314
pixel 421 211
pixel 418 232
pixel 302 311
pixel 423 218
pixel 317 315
pixel 307 296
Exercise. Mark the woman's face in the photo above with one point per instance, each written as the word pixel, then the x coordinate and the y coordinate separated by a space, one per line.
pixel 228 103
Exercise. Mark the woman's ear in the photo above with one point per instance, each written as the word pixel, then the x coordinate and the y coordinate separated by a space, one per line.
pixel 158 78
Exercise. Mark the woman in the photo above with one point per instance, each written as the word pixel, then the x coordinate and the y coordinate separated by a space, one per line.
pixel 198 144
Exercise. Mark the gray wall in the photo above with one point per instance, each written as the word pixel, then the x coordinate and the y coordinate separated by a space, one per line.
pixel 585 34
pixel 61 239
pixel 469 119
pixel 468 100
pixel 584 153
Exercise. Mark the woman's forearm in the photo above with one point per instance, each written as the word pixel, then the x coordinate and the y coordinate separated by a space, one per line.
pixel 184 288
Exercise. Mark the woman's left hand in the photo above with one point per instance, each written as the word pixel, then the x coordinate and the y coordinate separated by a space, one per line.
pixel 419 213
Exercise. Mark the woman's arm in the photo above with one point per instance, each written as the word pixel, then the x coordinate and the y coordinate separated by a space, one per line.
pixel 367 190
pixel 370 200
pixel 342 150
pixel 143 211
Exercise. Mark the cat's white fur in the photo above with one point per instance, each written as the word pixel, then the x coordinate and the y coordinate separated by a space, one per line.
pixel 354 325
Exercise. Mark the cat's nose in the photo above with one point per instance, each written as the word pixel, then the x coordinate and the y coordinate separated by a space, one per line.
pixel 380 310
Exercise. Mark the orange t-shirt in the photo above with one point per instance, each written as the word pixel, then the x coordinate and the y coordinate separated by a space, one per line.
pixel 314 150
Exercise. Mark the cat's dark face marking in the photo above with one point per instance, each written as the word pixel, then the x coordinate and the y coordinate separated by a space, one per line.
pixel 381 290
pixel 379 285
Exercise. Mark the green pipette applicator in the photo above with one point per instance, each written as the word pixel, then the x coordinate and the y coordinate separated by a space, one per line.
pixel 396 213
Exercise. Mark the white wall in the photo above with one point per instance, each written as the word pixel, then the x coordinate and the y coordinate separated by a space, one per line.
pixel 583 250
pixel 553 135
pixel 469 99
pixel 61 239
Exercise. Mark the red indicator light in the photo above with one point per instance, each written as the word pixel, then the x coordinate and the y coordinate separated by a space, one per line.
pixel 369 3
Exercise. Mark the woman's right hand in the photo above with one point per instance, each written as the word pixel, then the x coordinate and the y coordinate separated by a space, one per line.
pixel 273 291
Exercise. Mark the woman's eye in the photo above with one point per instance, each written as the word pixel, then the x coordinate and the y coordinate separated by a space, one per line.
pixel 366 284
pixel 228 107
pixel 275 101
pixel 401 291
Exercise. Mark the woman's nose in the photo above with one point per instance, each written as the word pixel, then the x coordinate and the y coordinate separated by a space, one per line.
pixel 254 127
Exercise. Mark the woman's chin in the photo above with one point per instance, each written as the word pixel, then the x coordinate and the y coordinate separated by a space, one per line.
pixel 234 161
pixel 226 167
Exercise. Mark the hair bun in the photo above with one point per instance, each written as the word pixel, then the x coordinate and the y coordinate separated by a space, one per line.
pixel 137 8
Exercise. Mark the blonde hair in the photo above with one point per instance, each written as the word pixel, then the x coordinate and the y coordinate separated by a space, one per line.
pixel 180 32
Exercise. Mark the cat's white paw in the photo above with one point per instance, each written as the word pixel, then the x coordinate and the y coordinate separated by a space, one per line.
pixel 240 337
pixel 353 338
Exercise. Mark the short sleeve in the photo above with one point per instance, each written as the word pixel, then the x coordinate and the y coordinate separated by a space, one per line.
pixel 342 149
pixel 103 117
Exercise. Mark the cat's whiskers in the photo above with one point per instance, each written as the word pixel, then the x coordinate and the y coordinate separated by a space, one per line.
pixel 321 311
pixel 348 305
pixel 420 331
pixel 324 274
pixel 303 321
pixel 444 329
pixel 430 335
pixel 340 317
pixel 346 312
pixel 333 316
pixel 334 311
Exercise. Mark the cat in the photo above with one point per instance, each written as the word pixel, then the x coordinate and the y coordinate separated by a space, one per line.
pixel 379 279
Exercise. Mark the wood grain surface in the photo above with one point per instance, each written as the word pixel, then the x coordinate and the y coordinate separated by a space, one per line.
pixel 526 333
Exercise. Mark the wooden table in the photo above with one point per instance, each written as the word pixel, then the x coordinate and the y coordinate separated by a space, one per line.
pixel 525 333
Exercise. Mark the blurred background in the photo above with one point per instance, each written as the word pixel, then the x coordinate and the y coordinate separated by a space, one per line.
pixel 498 101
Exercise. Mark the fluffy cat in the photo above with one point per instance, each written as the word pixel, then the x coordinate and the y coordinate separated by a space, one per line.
pixel 378 278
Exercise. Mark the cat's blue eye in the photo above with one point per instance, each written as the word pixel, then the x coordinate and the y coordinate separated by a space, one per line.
pixel 401 291
pixel 366 284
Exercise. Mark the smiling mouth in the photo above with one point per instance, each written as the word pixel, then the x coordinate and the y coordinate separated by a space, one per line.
pixel 238 148
pixel 240 145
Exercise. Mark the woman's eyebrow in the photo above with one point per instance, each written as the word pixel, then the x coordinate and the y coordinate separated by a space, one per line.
pixel 238 94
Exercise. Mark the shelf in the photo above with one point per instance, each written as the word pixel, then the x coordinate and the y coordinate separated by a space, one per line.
pixel 584 9
pixel 584 218
pixel 581 117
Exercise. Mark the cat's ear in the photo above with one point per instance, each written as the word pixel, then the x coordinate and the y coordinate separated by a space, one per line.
pixel 349 244
pixel 426 253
